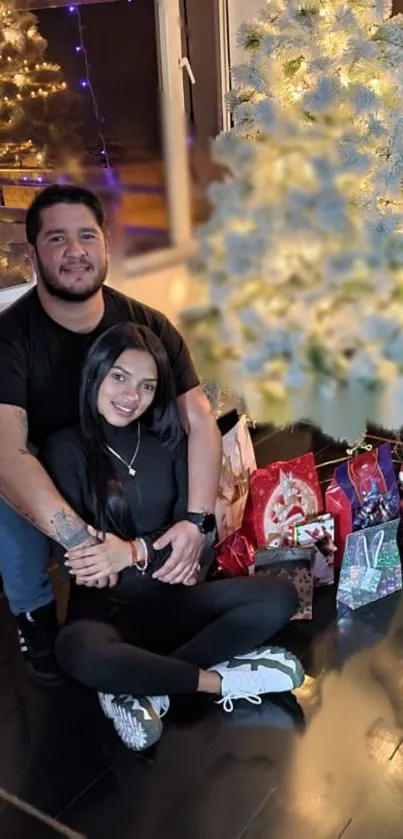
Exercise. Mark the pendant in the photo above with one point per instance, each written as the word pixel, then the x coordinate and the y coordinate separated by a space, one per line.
pixel 132 472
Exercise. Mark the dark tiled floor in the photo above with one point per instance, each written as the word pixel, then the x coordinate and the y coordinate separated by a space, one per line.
pixel 323 765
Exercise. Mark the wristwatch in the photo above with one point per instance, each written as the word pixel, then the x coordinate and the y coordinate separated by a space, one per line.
pixel 204 521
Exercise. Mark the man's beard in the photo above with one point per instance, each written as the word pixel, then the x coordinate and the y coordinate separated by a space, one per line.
pixel 56 289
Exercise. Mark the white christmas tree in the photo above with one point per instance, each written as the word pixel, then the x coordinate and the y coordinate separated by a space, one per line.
pixel 302 258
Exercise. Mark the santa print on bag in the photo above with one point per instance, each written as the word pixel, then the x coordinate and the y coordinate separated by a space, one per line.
pixel 283 494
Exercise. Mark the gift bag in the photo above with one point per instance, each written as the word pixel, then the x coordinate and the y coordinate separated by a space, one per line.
pixel 296 565
pixel 281 495
pixel 318 534
pixel 235 555
pixel 371 567
pixel 338 506
pixel 239 462
pixel 369 484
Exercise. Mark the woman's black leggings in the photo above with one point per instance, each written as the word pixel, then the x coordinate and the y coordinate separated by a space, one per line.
pixel 156 644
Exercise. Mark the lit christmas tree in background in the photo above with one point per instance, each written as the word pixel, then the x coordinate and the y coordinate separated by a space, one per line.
pixel 302 258
pixel 26 83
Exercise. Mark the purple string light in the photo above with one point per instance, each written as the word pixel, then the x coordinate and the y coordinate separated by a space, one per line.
pixel 86 84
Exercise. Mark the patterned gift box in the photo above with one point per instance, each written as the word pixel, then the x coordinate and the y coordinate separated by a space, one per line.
pixel 295 565
pixel 371 567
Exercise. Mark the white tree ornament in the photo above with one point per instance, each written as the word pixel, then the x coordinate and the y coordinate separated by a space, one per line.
pixel 302 258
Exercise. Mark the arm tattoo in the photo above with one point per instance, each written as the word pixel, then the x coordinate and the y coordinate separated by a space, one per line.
pixel 22 418
pixel 70 531
pixel 24 423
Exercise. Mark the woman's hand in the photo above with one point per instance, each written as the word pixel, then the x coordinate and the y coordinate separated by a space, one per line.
pixel 97 562
pixel 104 582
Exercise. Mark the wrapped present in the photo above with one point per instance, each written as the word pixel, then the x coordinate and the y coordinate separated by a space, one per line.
pixel 370 485
pixel 318 533
pixel 371 567
pixel 296 565
pixel 338 506
pixel 239 462
pixel 281 495
pixel 235 555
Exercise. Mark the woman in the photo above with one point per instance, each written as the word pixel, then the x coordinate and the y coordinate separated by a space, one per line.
pixel 125 472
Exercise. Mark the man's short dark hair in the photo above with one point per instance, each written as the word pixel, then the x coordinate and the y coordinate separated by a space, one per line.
pixel 61 194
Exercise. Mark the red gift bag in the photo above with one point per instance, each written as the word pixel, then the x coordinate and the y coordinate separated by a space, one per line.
pixel 236 555
pixel 280 495
pixel 338 505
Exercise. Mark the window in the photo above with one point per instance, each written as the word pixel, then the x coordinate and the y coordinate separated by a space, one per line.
pixel 124 106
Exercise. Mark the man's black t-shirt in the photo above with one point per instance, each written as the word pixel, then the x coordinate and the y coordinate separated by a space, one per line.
pixel 41 361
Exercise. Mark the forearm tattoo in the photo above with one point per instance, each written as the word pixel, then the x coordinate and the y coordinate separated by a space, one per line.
pixel 70 531
pixel 65 527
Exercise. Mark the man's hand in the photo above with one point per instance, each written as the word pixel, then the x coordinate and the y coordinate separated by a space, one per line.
pixel 100 563
pixel 187 545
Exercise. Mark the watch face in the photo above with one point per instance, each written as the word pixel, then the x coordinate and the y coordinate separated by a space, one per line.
pixel 208 524
pixel 204 521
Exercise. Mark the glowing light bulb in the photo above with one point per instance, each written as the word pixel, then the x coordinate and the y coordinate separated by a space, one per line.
pixel 78 49
pixel 84 83
pixel 296 94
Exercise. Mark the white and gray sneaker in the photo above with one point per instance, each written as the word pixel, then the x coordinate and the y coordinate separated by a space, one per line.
pixel 136 721
pixel 263 671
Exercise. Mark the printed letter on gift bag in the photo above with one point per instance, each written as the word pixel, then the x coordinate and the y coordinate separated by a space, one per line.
pixel 239 462
pixel 371 566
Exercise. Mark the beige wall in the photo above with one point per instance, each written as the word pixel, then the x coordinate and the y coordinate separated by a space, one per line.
pixel 240 11
pixel 169 290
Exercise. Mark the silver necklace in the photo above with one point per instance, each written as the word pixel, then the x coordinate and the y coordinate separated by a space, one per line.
pixel 129 465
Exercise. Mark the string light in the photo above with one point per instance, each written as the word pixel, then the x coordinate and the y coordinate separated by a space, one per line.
pixel 86 84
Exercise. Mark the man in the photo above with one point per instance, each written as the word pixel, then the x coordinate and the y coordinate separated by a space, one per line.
pixel 43 339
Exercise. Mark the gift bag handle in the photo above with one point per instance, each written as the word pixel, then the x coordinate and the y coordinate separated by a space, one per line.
pixel 378 541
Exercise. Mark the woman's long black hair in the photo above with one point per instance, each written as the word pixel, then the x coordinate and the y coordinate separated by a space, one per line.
pixel 110 505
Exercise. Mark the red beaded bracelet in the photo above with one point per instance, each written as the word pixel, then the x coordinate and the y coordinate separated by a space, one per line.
pixel 134 554
pixel 140 564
